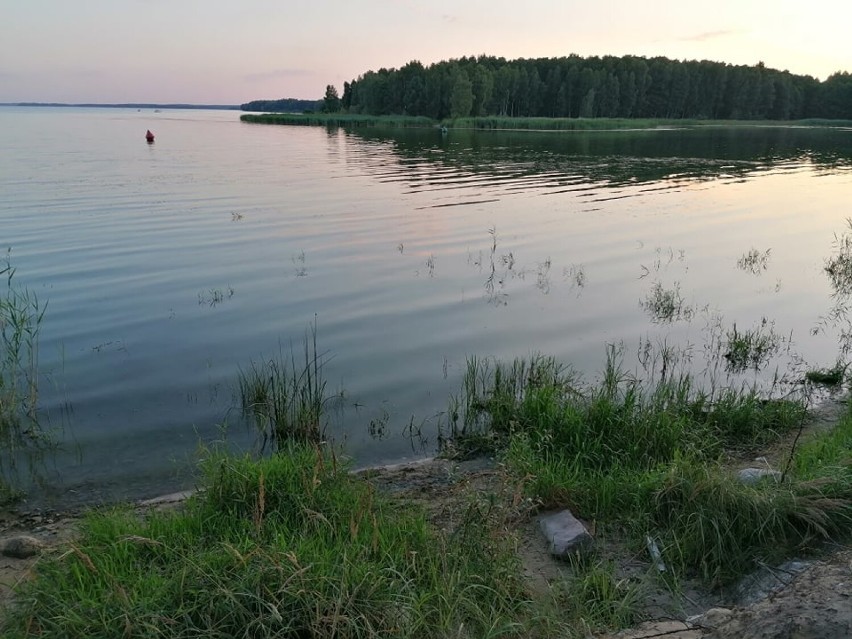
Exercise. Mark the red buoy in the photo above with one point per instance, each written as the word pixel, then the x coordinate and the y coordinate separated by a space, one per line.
pixel 149 136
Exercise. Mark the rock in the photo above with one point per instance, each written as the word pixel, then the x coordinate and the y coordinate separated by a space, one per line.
pixel 22 547
pixel 565 533
pixel 712 618
pixel 767 581
pixel 670 629
pixel 753 476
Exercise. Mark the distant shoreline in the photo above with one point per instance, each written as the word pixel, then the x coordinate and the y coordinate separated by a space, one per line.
pixel 223 107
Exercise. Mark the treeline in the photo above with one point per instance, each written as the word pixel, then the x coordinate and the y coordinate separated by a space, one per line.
pixel 284 105
pixel 610 87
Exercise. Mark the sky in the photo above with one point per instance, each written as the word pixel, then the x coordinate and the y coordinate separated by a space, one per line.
pixel 230 52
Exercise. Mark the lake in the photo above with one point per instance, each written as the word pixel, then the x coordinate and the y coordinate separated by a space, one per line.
pixel 169 268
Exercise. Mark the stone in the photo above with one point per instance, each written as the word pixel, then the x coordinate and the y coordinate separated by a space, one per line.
pixel 712 618
pixel 565 533
pixel 22 547
pixel 753 476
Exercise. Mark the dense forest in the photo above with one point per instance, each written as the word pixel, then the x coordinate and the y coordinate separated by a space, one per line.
pixel 284 105
pixel 574 86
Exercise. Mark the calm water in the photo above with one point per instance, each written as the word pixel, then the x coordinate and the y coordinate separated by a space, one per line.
pixel 168 267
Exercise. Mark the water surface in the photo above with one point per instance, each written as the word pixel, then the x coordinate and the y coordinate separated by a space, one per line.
pixel 169 267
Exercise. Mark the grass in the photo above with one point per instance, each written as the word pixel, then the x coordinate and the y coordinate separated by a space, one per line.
pixel 752 348
pixel 289 546
pixel 551 124
pixel 294 545
pixel 22 436
pixel 838 267
pixel 665 306
pixel 827 376
pixel 510 123
pixel 285 400
pixel 594 598
pixel 647 458
pixel 340 119
pixel 754 261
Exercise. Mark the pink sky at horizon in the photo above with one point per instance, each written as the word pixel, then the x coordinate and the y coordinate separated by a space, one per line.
pixel 216 52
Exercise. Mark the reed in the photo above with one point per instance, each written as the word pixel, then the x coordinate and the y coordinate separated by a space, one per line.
pixel 286 400
pixel 340 119
pixel 22 436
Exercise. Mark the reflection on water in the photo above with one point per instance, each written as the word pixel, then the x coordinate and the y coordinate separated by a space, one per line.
pixel 507 162
pixel 168 268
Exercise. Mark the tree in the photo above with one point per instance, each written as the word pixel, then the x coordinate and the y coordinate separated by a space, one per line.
pixel 461 96
pixel 591 87
pixel 331 102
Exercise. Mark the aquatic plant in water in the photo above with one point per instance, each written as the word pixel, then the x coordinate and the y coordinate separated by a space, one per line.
pixel 22 436
pixel 751 348
pixel 754 261
pixel 286 400
pixel 839 266
pixel 666 305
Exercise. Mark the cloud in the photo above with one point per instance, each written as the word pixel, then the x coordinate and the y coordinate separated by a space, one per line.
pixel 709 35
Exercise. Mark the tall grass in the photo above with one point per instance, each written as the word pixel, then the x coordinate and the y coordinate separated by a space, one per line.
pixel 513 123
pixel 594 598
pixel 22 436
pixel 286 400
pixel 620 421
pixel 646 457
pixel 291 546
pixel 340 119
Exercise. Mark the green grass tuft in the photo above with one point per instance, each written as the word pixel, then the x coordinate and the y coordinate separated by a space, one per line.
pixel 827 376
pixel 290 546
pixel 285 400
pixel 645 457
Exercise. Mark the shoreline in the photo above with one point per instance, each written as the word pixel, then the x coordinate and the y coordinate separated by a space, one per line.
pixel 443 486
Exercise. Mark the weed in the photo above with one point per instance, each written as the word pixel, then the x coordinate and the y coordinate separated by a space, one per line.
pixel 754 262
pixel 752 348
pixel 839 266
pixel 289 546
pixel 285 400
pixel 576 274
pixel 339 119
pixel 215 296
pixel 666 305
pixel 827 376
pixel 644 456
pixel 22 436
pixel 594 597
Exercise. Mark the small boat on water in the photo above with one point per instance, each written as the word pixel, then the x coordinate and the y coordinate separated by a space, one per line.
pixel 149 136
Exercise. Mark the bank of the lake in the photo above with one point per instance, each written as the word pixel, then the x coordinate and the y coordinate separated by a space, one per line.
pixel 295 544
pixel 488 123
